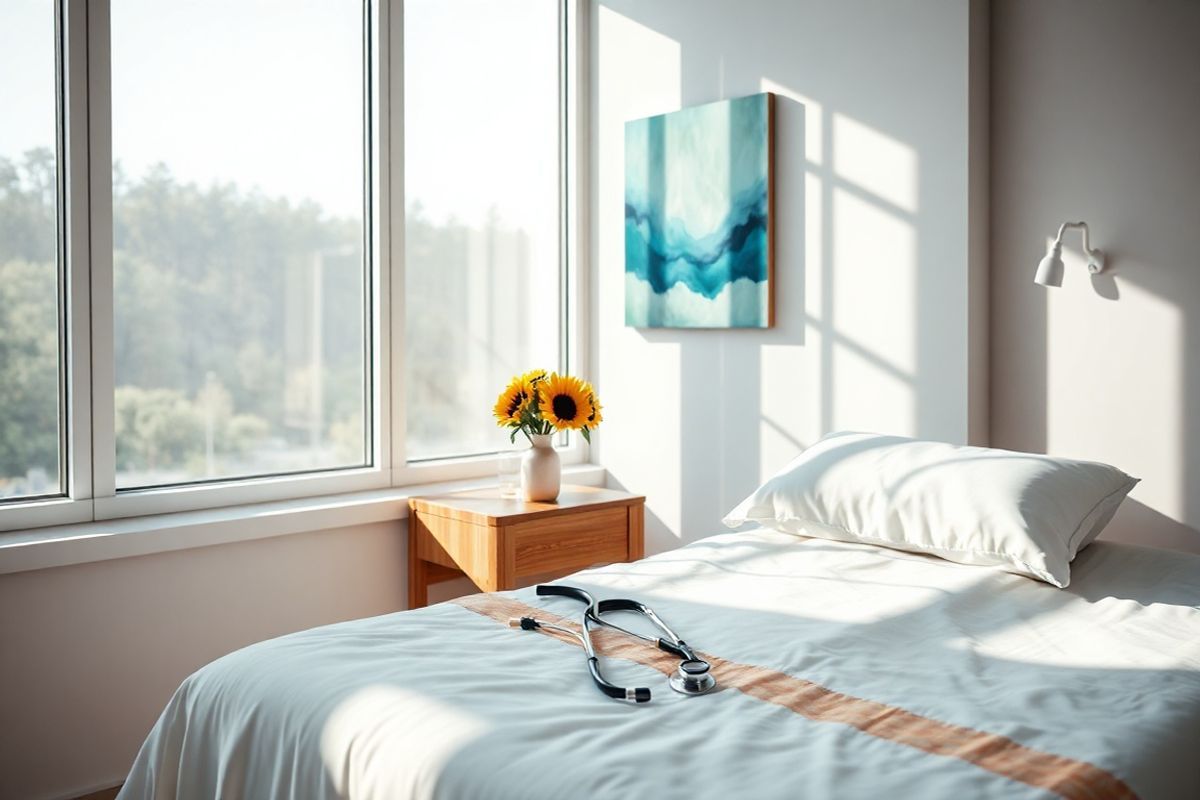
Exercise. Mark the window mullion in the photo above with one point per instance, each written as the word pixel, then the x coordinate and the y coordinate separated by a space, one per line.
pixel 78 404
pixel 100 240
pixel 391 217
pixel 375 215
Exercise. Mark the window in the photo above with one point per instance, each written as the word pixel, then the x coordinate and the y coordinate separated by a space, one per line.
pixel 481 193
pixel 238 261
pixel 260 249
pixel 31 332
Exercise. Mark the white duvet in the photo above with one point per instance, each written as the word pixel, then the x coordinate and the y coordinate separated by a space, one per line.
pixel 848 671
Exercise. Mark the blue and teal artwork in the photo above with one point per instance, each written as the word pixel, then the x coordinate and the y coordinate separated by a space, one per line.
pixel 698 197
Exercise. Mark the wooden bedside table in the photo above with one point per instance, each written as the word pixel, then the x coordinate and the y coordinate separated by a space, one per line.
pixel 496 541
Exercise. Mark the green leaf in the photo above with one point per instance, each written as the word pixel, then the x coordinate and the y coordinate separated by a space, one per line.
pixel 587 437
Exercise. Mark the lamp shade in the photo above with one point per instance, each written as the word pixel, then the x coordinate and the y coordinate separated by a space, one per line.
pixel 1050 268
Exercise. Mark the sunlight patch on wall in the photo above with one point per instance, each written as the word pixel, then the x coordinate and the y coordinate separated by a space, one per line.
pixel 875 281
pixel 1091 412
pixel 867 398
pixel 640 69
pixel 638 74
pixel 814 183
pixel 789 396
pixel 790 419
pixel 881 165
pixel 813 120
pixel 814 242
pixel 875 317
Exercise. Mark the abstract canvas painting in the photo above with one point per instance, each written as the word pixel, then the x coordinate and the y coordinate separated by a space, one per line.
pixel 698 217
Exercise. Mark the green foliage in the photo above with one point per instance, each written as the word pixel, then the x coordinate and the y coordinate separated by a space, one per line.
pixel 155 427
pixel 28 319
pixel 214 292
pixel 28 228
pixel 28 370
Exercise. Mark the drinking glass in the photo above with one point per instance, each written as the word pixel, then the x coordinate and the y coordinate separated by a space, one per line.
pixel 508 471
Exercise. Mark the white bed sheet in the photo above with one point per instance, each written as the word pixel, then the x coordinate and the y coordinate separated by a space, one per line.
pixel 1102 678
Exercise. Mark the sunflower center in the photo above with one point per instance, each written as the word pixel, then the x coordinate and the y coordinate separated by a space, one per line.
pixel 517 401
pixel 564 407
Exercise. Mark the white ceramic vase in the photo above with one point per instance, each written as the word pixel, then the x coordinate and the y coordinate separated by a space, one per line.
pixel 541 470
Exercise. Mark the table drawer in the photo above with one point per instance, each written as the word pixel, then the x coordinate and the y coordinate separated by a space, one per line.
pixel 571 542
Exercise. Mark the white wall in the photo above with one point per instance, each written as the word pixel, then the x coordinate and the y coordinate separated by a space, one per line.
pixel 874 283
pixel 1096 116
pixel 90 654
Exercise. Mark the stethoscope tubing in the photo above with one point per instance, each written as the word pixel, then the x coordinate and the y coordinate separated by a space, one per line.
pixel 593 615
pixel 640 695
pixel 596 609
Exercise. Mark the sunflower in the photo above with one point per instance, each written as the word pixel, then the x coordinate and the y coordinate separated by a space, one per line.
pixel 534 376
pixel 564 401
pixel 513 401
pixel 594 416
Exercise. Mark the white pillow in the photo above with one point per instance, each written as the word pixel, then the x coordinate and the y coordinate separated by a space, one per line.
pixel 1028 514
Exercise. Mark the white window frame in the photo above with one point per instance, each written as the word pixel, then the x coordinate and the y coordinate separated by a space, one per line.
pixel 86 160
pixel 75 504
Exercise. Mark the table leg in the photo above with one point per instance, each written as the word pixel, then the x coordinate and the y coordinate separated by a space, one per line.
pixel 418 573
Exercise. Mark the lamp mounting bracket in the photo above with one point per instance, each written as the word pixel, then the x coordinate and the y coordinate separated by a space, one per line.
pixel 1095 257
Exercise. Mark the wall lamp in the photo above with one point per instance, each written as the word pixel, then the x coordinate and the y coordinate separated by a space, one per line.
pixel 1050 269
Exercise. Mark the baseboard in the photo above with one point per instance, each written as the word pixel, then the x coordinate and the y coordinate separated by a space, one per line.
pixel 101 794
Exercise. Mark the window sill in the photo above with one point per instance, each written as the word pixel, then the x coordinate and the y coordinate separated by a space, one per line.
pixel 41 548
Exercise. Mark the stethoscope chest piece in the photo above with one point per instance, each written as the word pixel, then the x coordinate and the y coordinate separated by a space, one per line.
pixel 693 677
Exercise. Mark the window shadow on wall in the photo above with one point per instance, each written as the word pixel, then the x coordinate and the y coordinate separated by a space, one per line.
pixel 868 341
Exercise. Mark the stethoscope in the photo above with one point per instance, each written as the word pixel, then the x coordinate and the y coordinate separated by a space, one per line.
pixel 692 677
